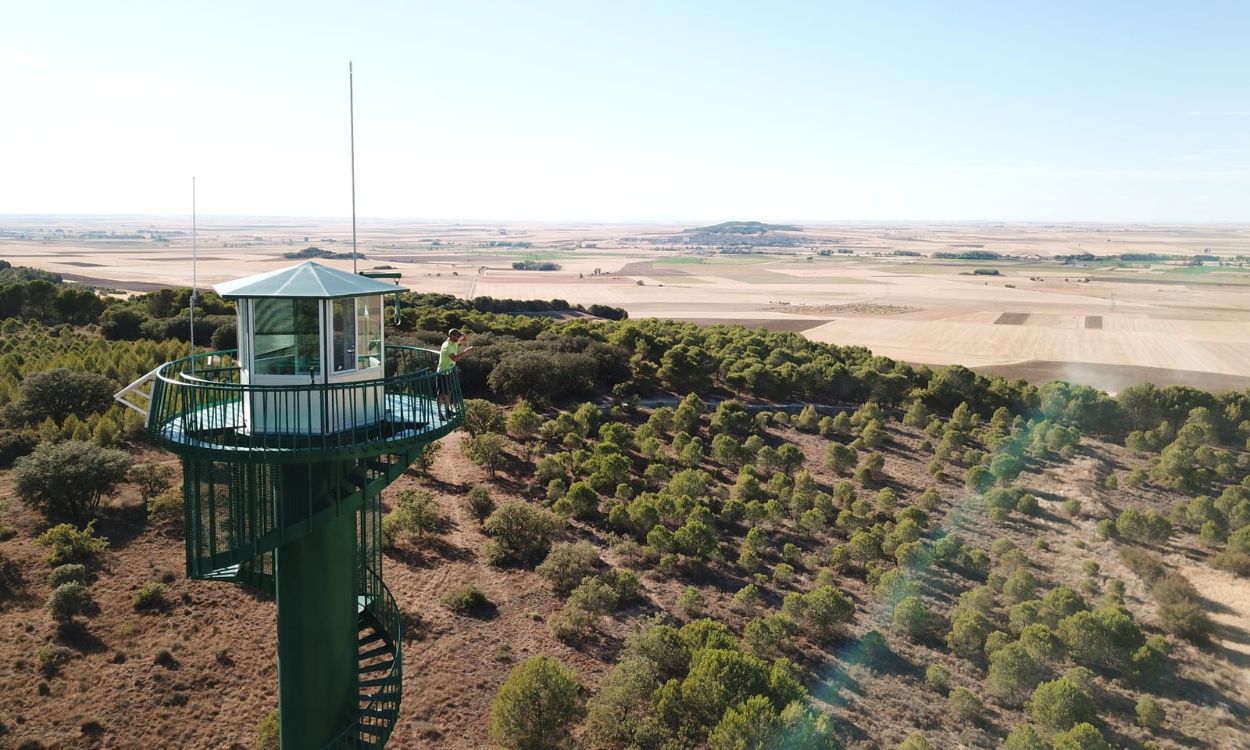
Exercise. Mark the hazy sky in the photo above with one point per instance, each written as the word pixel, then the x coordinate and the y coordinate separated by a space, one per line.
pixel 1092 110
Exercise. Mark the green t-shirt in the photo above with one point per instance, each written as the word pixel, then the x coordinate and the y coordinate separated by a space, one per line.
pixel 449 349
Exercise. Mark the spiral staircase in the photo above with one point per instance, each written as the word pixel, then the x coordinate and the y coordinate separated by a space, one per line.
pixel 250 494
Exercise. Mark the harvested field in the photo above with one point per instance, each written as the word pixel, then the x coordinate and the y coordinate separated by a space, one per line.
pixel 1093 321
pixel 793 325
pixel 853 308
pixel 1114 378
pixel 1012 319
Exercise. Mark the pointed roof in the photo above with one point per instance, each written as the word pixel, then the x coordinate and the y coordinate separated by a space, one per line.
pixel 305 280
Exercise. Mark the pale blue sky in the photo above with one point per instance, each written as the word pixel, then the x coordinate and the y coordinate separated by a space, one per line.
pixel 1103 111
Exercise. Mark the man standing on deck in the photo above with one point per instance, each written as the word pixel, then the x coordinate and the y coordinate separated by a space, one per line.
pixel 451 352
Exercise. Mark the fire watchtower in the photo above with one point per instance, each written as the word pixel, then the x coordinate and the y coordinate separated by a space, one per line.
pixel 286 445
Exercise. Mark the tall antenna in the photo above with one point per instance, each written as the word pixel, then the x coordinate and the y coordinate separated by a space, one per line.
pixel 194 277
pixel 351 113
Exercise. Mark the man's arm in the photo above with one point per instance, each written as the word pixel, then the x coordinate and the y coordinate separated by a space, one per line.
pixel 463 353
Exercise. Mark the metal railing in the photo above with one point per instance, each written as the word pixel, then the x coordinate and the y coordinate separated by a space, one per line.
pixel 199 404
pixel 375 719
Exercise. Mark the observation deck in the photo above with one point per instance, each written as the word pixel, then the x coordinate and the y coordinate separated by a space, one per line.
pixel 200 405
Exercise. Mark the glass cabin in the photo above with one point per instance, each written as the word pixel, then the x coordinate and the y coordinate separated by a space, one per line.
pixel 303 331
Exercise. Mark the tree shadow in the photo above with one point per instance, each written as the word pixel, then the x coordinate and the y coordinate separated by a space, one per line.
pixel 76 635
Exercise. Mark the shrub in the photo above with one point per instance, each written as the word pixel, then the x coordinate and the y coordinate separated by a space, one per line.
pixel 567 564
pixel 56 394
pixel 911 618
pixel 165 509
pixel 151 478
pixel 520 534
pixel 967 635
pixel 67 600
pixel 478 504
pixel 416 514
pixel 825 611
pixel 1025 737
pixel 580 501
pixel 965 705
pixel 751 723
pixel 467 600
pixel 67 544
pixel 915 741
pixel 938 678
pixel 68 573
pixel 1061 704
pixel 151 596
pixel 66 481
pixel 49 658
pixel 14 445
pixel 1013 674
pixel 1150 713
pixel 691 602
pixel 486 450
pixel 537 706
pixel 624 583
pixel 1083 736
pixel 267 732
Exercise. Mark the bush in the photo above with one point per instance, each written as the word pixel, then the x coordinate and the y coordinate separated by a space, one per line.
pixel 166 509
pixel 486 450
pixel 915 741
pixel 467 600
pixel 67 544
pixel 1150 713
pixel 567 564
pixel 1061 704
pixel 416 514
pixel 267 732
pixel 151 478
pixel 750 724
pixel 691 602
pixel 66 481
pixel 1025 737
pixel 912 618
pixel 49 658
pixel 1013 674
pixel 1083 736
pixel 69 573
pixel 938 678
pixel 56 394
pixel 151 596
pixel 965 705
pixel 520 534
pixel 67 600
pixel 478 504
pixel 536 706
pixel 14 445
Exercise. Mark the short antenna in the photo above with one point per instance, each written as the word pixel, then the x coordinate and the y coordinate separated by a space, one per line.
pixel 194 277
pixel 351 114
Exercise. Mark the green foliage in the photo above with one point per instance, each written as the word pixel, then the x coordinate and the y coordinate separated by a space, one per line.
pixel 150 596
pixel 915 741
pixel 166 509
pixel 966 638
pixel 478 504
pixel 938 678
pixel 267 732
pixel 520 534
pixel 537 706
pixel 568 563
pixel 467 600
pixel 152 478
pixel 66 481
pixel 912 618
pixel 1025 737
pixel 68 573
pixel 965 705
pixel 481 416
pixel 68 600
pixel 1083 736
pixel 486 449
pixel 67 544
pixel 1150 713
pixel 691 602
pixel 59 393
pixel 1013 674
pixel 416 515
pixel 1061 704
pixel 748 726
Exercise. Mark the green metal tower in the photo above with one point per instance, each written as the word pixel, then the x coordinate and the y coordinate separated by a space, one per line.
pixel 286 444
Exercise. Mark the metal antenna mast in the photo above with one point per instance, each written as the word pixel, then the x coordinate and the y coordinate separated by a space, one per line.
pixel 194 278
pixel 351 113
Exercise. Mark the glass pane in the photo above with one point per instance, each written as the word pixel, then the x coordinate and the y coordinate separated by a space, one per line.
pixel 369 331
pixel 344 334
pixel 286 336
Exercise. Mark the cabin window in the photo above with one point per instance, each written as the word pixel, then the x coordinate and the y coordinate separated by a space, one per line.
pixel 286 336
pixel 368 331
pixel 344 319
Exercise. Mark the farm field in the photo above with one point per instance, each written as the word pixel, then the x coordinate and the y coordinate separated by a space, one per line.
pixel 1188 324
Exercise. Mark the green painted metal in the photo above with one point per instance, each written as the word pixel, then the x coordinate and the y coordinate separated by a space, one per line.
pixel 298 514
pixel 307 279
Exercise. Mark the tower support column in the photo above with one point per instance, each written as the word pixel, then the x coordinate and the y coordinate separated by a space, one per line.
pixel 317 616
